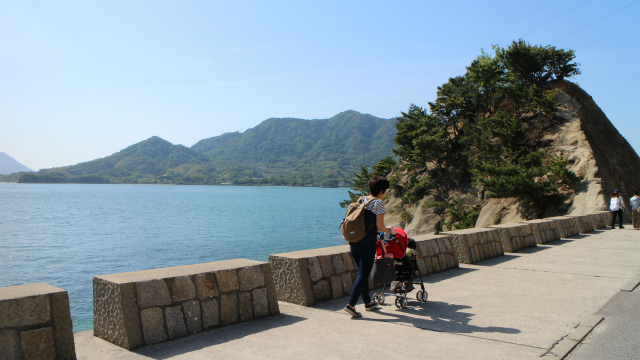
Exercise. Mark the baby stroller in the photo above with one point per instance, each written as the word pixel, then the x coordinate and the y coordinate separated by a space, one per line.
pixel 406 268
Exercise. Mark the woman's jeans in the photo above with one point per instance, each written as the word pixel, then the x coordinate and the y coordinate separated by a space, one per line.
pixel 613 217
pixel 363 257
pixel 636 218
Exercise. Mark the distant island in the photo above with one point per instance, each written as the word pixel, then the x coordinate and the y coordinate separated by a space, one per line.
pixel 279 151
pixel 9 165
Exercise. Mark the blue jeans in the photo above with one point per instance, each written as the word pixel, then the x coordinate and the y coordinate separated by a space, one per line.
pixel 363 257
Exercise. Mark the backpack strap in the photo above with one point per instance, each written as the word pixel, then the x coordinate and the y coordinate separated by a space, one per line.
pixel 365 204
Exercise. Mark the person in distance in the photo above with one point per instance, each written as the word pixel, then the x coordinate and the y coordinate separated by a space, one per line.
pixel 635 206
pixel 616 206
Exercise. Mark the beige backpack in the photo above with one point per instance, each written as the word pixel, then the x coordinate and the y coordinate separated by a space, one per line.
pixel 353 229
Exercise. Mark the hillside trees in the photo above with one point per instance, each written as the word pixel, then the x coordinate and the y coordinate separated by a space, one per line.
pixel 485 127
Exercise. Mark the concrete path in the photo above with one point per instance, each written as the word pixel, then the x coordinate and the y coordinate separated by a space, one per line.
pixel 539 302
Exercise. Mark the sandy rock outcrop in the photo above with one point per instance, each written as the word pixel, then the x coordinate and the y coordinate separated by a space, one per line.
pixel 595 150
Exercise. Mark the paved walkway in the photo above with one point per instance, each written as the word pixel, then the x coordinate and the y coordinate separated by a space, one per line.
pixel 539 302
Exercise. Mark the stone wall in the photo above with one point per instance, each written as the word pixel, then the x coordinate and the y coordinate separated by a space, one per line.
pixel 35 323
pixel 139 308
pixel 311 276
pixel 600 219
pixel 585 225
pixel 476 244
pixel 545 231
pixel 435 253
pixel 567 225
pixel 516 236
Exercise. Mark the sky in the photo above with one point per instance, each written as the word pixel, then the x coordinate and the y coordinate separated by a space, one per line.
pixel 81 80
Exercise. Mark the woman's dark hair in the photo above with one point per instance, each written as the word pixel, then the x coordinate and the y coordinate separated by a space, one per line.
pixel 377 185
pixel 636 193
pixel 411 244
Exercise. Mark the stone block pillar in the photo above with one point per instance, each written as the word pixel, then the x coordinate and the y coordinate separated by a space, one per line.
pixel 435 253
pixel 568 226
pixel 311 276
pixel 476 244
pixel 545 230
pixel 35 323
pixel 139 308
pixel 516 236
pixel 584 223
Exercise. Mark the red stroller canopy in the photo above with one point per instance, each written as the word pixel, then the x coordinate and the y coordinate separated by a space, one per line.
pixel 397 248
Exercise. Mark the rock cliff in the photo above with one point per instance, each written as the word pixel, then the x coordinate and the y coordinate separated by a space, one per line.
pixel 595 150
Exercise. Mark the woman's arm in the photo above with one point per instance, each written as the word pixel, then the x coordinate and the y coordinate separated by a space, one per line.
pixel 382 227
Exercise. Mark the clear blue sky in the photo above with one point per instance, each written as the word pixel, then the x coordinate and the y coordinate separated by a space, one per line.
pixel 81 80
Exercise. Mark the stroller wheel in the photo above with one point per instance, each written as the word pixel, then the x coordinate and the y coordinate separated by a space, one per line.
pixel 376 298
pixel 425 296
pixel 381 299
pixel 398 302
pixel 419 295
pixel 404 302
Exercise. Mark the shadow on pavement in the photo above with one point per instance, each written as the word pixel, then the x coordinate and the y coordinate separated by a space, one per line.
pixel 496 260
pixel 432 315
pixel 213 337
pixel 446 275
pixel 576 237
pixel 439 316
pixel 561 241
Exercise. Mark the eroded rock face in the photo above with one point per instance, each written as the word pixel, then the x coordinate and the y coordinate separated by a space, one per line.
pixel 595 150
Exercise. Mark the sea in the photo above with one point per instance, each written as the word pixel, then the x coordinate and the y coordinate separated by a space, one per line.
pixel 65 234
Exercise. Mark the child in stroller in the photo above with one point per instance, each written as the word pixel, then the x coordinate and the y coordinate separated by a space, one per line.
pixel 397 246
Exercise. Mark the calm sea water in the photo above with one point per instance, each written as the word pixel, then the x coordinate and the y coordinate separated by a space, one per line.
pixel 65 234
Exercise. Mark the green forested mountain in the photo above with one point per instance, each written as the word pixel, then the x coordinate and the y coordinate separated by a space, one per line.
pixel 349 139
pixel 278 151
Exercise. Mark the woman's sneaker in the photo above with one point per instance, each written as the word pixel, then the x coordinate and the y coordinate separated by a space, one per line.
pixel 352 311
pixel 371 306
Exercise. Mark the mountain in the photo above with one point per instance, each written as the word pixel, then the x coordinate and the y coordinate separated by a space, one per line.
pixel 149 157
pixel 285 151
pixel 9 165
pixel 349 139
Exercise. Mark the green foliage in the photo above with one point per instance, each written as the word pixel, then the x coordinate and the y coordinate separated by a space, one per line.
pixel 485 128
pixel 406 216
pixel 420 138
pixel 360 186
pixel 461 216
pixel 416 187
pixel 529 65
pixel 558 172
pixel 544 100
pixel 501 181
pixel 486 124
pixel 384 167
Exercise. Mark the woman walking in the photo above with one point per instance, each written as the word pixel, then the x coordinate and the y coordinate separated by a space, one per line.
pixel 364 251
